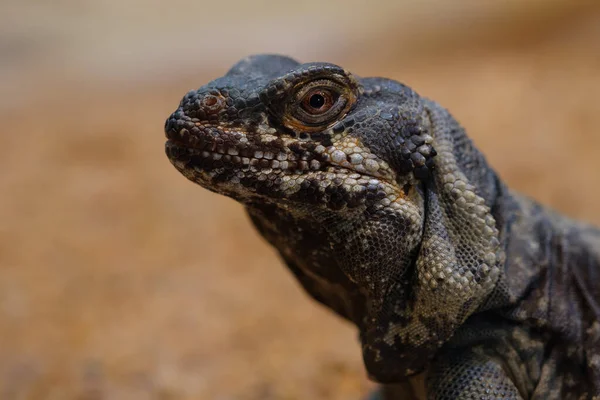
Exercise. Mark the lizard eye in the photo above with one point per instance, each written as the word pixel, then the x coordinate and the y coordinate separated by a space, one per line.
pixel 317 104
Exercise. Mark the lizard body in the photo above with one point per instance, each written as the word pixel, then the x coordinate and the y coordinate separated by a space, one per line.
pixel 385 212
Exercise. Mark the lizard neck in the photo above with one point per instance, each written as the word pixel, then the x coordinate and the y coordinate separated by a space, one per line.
pixel 551 262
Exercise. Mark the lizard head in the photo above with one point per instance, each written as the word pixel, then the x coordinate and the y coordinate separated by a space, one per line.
pixel 273 129
pixel 342 176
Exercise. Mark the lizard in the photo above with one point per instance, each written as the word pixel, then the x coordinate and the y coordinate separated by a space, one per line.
pixel 385 212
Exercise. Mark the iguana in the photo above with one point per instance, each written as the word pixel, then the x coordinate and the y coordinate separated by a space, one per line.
pixel 385 212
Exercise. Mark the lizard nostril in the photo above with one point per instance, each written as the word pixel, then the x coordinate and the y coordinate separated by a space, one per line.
pixel 210 101
pixel 213 104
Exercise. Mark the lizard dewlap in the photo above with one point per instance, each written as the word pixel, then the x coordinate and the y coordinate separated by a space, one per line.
pixel 386 213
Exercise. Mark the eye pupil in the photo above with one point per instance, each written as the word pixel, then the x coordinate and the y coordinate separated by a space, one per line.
pixel 316 100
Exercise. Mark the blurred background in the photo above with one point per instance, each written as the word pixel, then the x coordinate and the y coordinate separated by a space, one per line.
pixel 119 279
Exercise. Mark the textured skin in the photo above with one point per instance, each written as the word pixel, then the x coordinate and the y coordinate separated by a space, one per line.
pixel 386 213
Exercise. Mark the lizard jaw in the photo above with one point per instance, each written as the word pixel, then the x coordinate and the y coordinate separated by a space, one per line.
pixel 248 179
pixel 263 149
pixel 249 162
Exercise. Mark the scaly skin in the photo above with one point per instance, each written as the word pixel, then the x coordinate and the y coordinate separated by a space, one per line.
pixel 386 213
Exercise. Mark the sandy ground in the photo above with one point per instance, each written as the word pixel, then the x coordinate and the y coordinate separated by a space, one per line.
pixel 121 280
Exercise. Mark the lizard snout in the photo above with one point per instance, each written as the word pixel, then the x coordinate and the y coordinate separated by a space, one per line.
pixel 182 130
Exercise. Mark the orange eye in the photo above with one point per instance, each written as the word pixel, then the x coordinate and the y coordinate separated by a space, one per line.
pixel 315 105
pixel 317 101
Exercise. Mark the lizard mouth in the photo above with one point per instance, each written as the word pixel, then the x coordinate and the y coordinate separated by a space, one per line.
pixel 215 148
pixel 246 166
pixel 212 148
pixel 210 158
pixel 262 166
pixel 249 179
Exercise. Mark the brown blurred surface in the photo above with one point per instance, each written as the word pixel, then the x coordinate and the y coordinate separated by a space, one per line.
pixel 121 280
